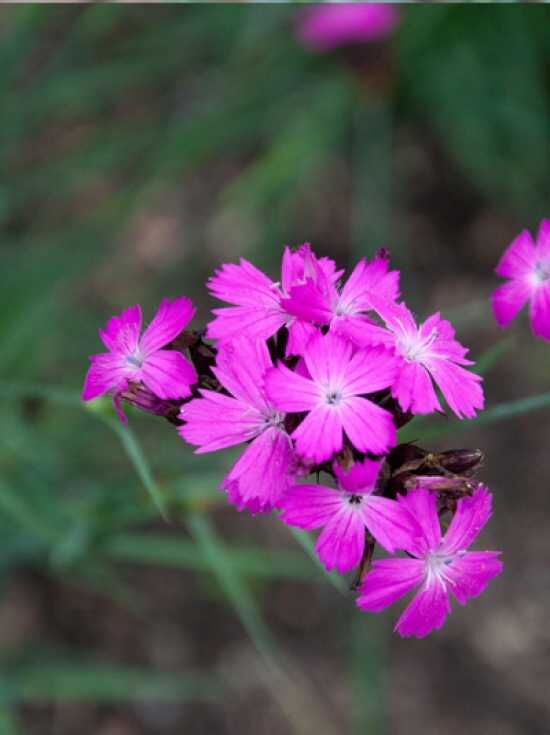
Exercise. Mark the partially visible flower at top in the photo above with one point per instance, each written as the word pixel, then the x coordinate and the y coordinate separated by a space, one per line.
pixel 527 266
pixel 166 373
pixel 346 513
pixel 438 565
pixel 333 397
pixel 325 27
pixel 426 352
pixel 257 300
pixel 264 471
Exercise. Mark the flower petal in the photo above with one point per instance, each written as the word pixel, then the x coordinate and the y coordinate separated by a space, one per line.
pixel 341 543
pixel 369 427
pixel 310 506
pixel 470 574
pixel 426 611
pixel 170 320
pixel 472 513
pixel 241 366
pixel 216 421
pixel 422 506
pixel 121 333
pixel 168 374
pixel 319 435
pixel 461 388
pixel 540 311
pixel 388 581
pixel 519 257
pixel 289 391
pixel 414 390
pixel 508 299
pixel 263 471
pixel 106 372
pixel 389 522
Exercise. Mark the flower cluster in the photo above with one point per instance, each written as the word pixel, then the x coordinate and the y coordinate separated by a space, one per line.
pixel 313 375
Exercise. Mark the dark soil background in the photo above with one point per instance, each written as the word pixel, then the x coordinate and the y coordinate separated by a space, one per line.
pixel 142 147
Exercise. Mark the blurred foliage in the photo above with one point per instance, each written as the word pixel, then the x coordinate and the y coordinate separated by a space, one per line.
pixel 107 110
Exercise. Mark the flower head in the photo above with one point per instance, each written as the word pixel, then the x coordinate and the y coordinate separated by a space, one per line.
pixel 526 265
pixel 437 565
pixel 326 27
pixel 166 373
pixel 262 474
pixel 346 513
pixel 333 397
pixel 258 302
pixel 427 354
pixel 320 301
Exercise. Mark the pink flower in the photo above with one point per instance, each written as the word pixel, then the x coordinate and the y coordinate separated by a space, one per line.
pixel 426 353
pixel 325 27
pixel 527 266
pixel 258 301
pixel 319 301
pixel 438 565
pixel 263 472
pixel 166 373
pixel 333 397
pixel 345 513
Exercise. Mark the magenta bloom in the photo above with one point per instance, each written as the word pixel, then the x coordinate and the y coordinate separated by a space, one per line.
pixel 263 472
pixel 527 266
pixel 320 301
pixel 258 307
pixel 326 27
pixel 345 512
pixel 166 373
pixel 438 565
pixel 426 353
pixel 333 397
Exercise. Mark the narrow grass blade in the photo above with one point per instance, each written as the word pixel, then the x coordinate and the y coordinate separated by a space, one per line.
pixel 368 641
pixel 250 561
pixel 306 542
pixel 139 462
pixel 492 356
pixel 230 581
pixel 42 681
pixel 14 506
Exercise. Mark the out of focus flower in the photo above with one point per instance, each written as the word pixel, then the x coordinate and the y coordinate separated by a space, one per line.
pixel 262 474
pixel 325 27
pixel 527 266
pixel 346 513
pixel 436 565
pixel 333 397
pixel 166 373
pixel 426 352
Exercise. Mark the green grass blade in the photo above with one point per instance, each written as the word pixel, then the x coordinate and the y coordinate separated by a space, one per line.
pixel 162 550
pixel 237 593
pixel 139 462
pixel 369 638
pixel 44 681
pixel 13 505
pixel 493 355
pixel 306 542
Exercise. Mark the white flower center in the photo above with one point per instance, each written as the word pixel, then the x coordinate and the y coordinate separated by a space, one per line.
pixel 414 348
pixel 274 418
pixel 437 563
pixel 136 359
pixel 333 396
pixel 541 273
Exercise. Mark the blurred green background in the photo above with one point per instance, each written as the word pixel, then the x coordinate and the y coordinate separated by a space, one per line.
pixel 141 146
